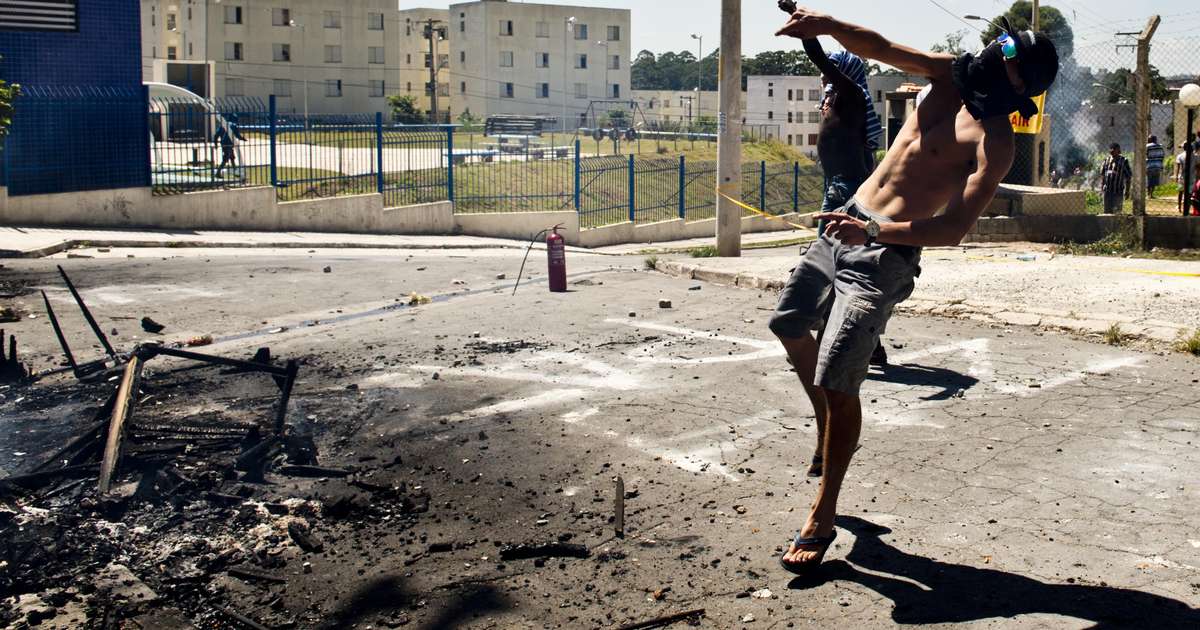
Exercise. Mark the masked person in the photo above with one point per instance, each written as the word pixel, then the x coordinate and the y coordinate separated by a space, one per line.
pixel 850 132
pixel 951 154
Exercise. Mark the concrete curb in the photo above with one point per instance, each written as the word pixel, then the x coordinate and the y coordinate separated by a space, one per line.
pixel 63 246
pixel 984 312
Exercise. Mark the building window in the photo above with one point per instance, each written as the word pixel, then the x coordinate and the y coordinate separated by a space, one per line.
pixel 541 60
pixel 614 62
pixel 189 14
pixel 374 21
pixel 506 28
pixel 171 22
pixel 333 54
pixel 506 59
pixel 789 98
pixel 543 90
pixel 409 88
pixel 233 15
pixel 506 90
pixel 462 56
pixel 462 27
pixel 616 91
pixel 428 60
pixel 814 118
pixel 281 17
pixel 189 49
pixel 770 115
pixel 814 95
pixel 233 51
pixel 581 62
pixel 171 53
pixel 462 87
pixel 333 88
pixel 789 138
pixel 408 59
pixel 581 90
pixel 614 33
pixel 233 87
pixel 377 88
pixel 375 54
pixel 281 87
pixel 878 96
pixel 581 32
pixel 543 29
pixel 281 52
pixel 790 120
pixel 812 139
pixel 333 19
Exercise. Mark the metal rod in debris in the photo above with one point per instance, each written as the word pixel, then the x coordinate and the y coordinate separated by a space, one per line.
pixel 62 340
pixel 87 314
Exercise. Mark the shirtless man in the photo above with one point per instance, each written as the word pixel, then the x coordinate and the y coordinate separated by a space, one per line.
pixel 951 154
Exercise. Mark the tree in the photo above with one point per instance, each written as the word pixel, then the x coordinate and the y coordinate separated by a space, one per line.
pixel 1121 85
pixel 1052 22
pixel 469 121
pixel 404 109
pixel 875 70
pixel 8 94
pixel 951 44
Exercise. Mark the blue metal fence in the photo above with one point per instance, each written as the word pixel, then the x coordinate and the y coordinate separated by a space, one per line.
pixel 195 146
pixel 57 130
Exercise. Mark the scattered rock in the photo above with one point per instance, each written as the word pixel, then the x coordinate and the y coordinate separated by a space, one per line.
pixel 664 304
pixel 151 326
pixel 328 270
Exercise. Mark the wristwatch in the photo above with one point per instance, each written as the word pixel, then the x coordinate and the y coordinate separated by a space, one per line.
pixel 872 231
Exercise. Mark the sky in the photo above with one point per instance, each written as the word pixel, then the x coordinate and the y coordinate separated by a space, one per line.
pixel 662 25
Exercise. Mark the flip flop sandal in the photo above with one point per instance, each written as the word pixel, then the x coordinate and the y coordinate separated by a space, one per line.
pixel 816 468
pixel 822 545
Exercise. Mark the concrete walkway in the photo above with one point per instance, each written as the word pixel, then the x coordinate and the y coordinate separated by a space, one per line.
pixel 40 242
pixel 1018 284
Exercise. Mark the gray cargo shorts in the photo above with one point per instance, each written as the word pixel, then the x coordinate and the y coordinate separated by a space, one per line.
pixel 848 291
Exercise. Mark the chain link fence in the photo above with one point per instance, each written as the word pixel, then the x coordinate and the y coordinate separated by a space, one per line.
pixel 1083 158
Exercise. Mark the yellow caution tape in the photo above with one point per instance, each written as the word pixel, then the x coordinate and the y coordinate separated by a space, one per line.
pixel 761 213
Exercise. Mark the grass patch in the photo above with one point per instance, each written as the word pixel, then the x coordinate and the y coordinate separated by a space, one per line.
pixel 1114 336
pixel 1189 344
pixel 708 251
pixel 1120 242
pixel 651 262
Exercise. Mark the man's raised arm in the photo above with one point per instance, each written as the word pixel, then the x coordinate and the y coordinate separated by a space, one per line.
pixel 868 44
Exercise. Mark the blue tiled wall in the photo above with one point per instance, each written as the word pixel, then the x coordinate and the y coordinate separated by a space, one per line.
pixel 81 123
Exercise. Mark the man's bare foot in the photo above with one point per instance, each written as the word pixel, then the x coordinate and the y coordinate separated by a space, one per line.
pixel 809 547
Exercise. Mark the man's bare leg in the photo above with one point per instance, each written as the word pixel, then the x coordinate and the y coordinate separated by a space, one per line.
pixel 841 439
pixel 803 354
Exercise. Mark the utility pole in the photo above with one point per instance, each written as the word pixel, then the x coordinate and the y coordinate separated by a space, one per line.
pixel 1037 19
pixel 432 34
pixel 1142 118
pixel 699 69
pixel 729 125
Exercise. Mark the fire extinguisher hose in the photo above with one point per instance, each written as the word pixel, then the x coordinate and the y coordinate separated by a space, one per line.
pixel 526 258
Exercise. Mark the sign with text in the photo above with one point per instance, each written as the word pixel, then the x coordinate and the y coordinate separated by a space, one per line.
pixel 1029 125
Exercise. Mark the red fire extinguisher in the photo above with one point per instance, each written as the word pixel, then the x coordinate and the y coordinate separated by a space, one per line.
pixel 556 251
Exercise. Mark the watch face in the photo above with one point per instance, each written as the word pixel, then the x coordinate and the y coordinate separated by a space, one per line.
pixel 872 229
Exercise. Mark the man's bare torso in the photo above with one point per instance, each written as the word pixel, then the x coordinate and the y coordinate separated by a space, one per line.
pixel 933 155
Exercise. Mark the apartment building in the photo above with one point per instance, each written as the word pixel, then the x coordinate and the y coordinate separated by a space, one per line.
pixel 792 101
pixel 313 55
pixel 537 59
pixel 677 107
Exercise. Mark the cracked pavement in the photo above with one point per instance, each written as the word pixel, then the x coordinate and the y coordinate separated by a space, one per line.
pixel 1007 477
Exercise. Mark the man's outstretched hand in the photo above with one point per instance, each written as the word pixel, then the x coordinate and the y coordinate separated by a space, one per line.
pixel 845 228
pixel 805 23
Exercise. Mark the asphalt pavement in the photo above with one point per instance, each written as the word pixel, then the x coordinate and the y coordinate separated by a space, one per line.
pixel 1008 477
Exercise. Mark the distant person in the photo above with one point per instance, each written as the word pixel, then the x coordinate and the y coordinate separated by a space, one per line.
pixel 1180 167
pixel 226 135
pixel 1155 155
pixel 1115 175
pixel 1194 198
